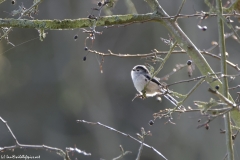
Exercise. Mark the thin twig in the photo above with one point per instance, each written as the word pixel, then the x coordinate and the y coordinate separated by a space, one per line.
pixel 124 134
pixel 213 47
pixel 168 114
pixel 165 58
pixel 225 157
pixel 218 57
pixel 141 146
pixel 192 90
pixel 238 86
pixel 188 80
pixel 223 98
pixel 218 74
pixel 9 129
pixel 140 150
pixel 157 53
pixel 123 153
pixel 235 127
pixel 179 10
pixel 215 111
pixel 212 117
pixel 27 11
pixel 210 111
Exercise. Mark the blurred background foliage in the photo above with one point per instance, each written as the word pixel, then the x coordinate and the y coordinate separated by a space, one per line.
pixel 46 86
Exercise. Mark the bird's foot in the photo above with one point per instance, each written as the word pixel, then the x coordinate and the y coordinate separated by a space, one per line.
pixel 139 96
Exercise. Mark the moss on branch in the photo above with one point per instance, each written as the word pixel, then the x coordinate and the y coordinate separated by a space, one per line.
pixel 78 23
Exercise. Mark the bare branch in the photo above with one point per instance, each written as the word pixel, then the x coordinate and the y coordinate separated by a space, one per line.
pixel 123 153
pixel 170 111
pixel 22 146
pixel 238 86
pixel 212 117
pixel 124 134
pixel 155 52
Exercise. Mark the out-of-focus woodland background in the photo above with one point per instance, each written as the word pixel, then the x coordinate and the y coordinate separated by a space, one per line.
pixel 46 86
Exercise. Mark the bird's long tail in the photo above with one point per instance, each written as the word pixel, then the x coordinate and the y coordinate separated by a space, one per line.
pixel 172 100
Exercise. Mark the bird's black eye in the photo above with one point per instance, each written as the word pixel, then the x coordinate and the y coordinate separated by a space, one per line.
pixel 137 69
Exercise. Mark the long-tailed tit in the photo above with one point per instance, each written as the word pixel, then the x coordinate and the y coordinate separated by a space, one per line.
pixel 144 82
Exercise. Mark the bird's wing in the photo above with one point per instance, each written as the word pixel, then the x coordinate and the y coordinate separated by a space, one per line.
pixel 163 90
pixel 153 79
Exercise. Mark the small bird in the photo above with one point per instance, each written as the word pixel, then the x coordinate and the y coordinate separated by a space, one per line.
pixel 144 82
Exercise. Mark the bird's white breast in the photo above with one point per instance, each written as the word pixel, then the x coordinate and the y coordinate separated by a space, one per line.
pixel 138 81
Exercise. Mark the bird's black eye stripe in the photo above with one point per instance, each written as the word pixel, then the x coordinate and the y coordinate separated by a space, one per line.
pixel 141 68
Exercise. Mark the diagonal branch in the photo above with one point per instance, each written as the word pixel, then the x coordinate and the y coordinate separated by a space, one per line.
pixel 1 1
pixel 179 10
pixel 127 135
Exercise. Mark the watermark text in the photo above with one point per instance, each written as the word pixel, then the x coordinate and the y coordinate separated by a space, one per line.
pixel 25 157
